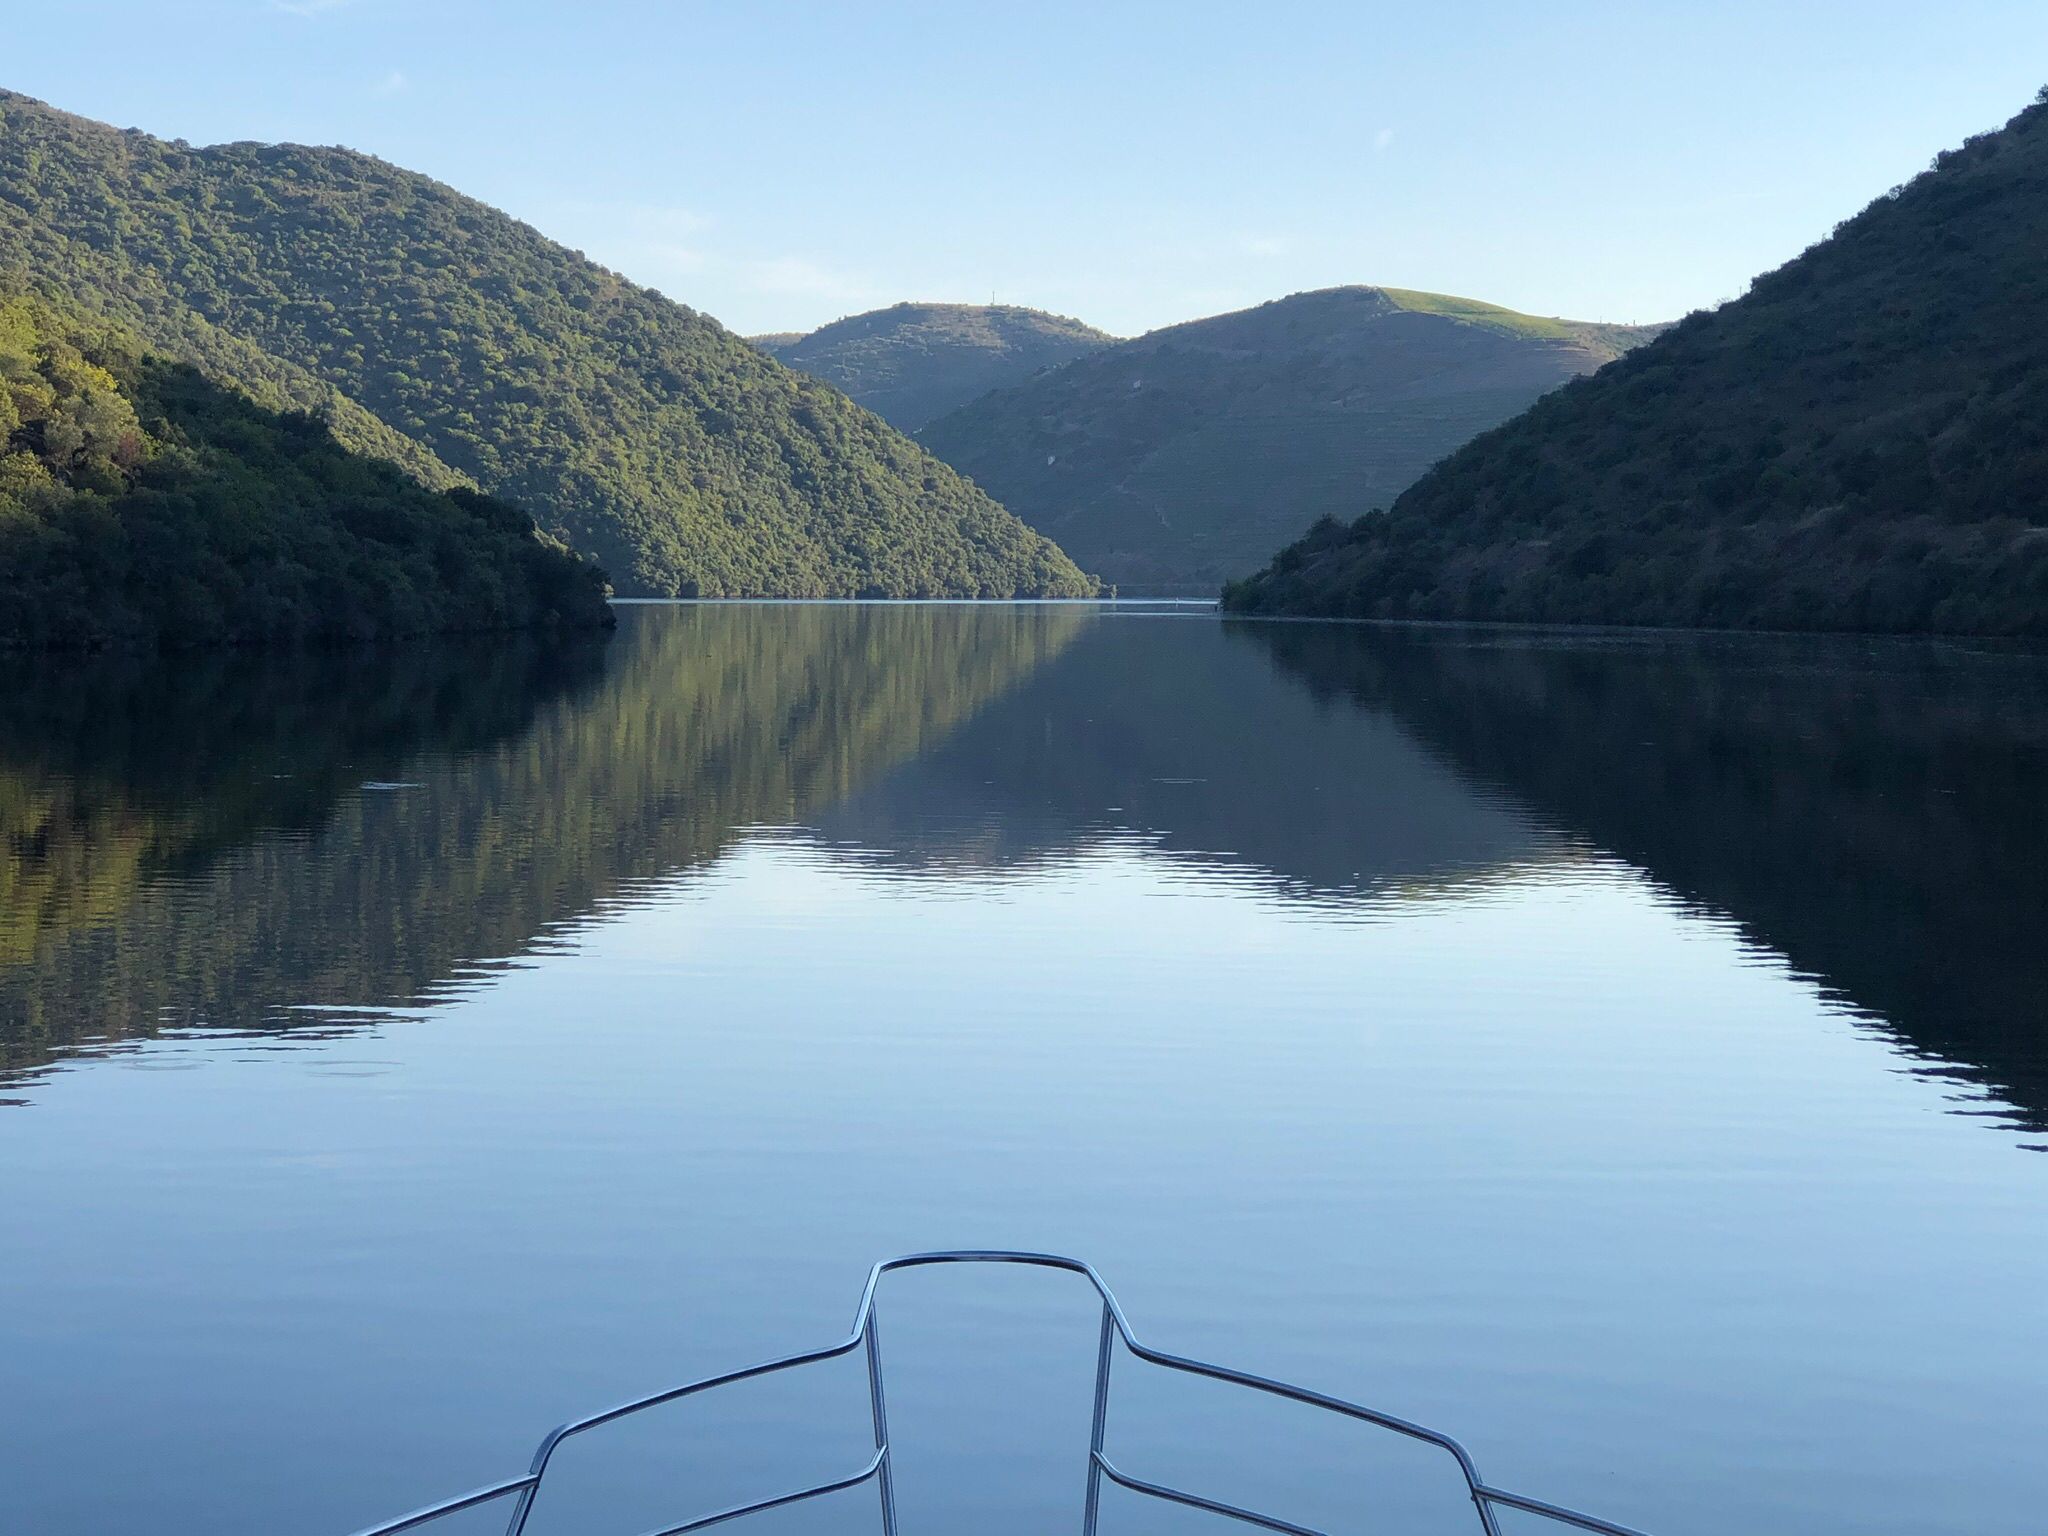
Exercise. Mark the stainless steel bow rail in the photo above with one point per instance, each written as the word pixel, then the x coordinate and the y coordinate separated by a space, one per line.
pixel 1486 1499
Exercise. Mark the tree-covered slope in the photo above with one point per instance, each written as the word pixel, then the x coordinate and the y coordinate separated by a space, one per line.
pixel 143 505
pixel 912 362
pixel 1860 442
pixel 1185 457
pixel 638 430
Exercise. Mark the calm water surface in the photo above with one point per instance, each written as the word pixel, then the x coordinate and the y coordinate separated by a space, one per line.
pixel 1628 1054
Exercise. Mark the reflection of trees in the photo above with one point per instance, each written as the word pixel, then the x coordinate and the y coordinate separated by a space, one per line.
pixel 189 846
pixel 1873 811
pixel 1171 729
pixel 122 778
pixel 189 841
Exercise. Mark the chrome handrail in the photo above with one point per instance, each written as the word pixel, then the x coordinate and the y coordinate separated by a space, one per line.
pixel 1115 1328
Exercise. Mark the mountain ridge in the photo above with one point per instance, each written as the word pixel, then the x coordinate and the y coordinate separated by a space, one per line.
pixel 1178 459
pixel 914 361
pixel 635 428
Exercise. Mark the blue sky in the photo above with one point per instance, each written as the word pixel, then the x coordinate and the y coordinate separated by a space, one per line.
pixel 1134 164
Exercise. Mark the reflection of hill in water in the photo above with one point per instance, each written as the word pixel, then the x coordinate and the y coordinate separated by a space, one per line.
pixel 187 846
pixel 192 842
pixel 1872 810
pixel 1176 731
pixel 128 785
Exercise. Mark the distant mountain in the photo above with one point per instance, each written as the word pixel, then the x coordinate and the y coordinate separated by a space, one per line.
pixel 911 362
pixel 1860 442
pixel 441 333
pixel 1183 458
pixel 144 506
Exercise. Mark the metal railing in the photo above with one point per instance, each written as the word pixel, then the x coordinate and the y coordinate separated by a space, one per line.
pixel 1486 1499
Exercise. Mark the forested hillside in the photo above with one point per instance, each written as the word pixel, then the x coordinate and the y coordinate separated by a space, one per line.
pixel 1185 457
pixel 1860 442
pixel 443 334
pixel 912 362
pixel 143 505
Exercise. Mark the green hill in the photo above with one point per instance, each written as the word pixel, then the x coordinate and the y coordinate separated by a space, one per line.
pixel 1860 442
pixel 143 505
pixel 1187 456
pixel 441 333
pixel 912 362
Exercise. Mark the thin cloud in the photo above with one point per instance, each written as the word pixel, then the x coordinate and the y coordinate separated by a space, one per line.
pixel 649 242
pixel 659 222
pixel 392 83
pixel 663 220
pixel 679 251
pixel 308 7
pixel 1265 245
pixel 664 258
pixel 800 277
pixel 1383 141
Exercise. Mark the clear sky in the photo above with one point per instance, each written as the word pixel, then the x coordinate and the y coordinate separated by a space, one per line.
pixel 1134 164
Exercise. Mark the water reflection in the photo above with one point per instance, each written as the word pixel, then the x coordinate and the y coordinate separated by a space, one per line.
pixel 1170 734
pixel 1309 979
pixel 262 843
pixel 1871 810
pixel 126 785
pixel 268 844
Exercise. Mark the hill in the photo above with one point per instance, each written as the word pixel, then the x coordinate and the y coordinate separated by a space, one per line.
pixel 1859 442
pixel 436 331
pixel 912 362
pixel 143 505
pixel 1183 458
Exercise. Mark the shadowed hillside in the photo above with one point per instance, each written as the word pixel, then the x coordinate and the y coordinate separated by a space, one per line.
pixel 1860 442
pixel 912 362
pixel 439 332
pixel 1182 459
pixel 142 505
